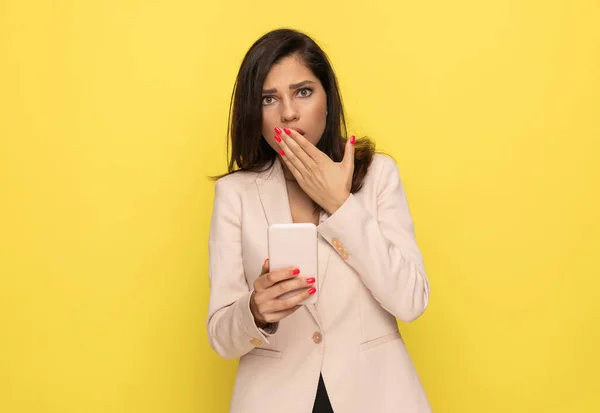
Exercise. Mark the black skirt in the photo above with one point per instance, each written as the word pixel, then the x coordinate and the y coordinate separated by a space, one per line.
pixel 322 404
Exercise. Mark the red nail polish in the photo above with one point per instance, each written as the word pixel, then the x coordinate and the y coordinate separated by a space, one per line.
pixel 352 140
pixel 277 130
pixel 296 271
pixel 312 291
pixel 286 130
pixel 281 152
pixel 277 138
pixel 310 280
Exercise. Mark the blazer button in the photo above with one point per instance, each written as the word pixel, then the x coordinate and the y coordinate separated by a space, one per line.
pixel 317 337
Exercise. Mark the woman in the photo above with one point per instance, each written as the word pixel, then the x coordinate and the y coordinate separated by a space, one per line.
pixel 290 162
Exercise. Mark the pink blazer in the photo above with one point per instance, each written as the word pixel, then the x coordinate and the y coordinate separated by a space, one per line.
pixel 370 272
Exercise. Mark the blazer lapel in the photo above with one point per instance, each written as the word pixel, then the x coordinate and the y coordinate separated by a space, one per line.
pixel 273 195
pixel 272 191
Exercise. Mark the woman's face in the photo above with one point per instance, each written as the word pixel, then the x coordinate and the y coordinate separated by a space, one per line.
pixel 293 98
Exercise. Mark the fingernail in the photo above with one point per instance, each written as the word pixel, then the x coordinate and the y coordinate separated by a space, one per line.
pixel 310 280
pixel 352 140
pixel 286 130
pixel 312 291
pixel 296 271
pixel 281 152
pixel 277 138
pixel 277 130
pixel 264 263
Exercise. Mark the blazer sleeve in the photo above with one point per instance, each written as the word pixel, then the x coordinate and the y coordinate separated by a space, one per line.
pixel 382 249
pixel 232 331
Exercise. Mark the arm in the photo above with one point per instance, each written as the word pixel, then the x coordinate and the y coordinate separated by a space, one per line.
pixel 232 331
pixel 383 250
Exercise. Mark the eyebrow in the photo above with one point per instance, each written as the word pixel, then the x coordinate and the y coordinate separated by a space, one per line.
pixel 292 86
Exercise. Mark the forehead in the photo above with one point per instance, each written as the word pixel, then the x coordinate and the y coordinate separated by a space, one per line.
pixel 287 71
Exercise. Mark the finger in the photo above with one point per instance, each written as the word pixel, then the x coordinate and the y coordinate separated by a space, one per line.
pixel 286 286
pixel 293 157
pixel 271 278
pixel 311 151
pixel 348 160
pixel 265 267
pixel 307 161
pixel 264 270
pixel 279 305
pixel 280 315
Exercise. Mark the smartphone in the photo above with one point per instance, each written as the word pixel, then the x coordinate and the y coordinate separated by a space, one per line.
pixel 294 245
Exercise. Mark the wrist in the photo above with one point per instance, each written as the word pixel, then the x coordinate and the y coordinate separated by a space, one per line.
pixel 253 310
pixel 336 204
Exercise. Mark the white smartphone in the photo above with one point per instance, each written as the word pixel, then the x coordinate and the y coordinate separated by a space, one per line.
pixel 294 245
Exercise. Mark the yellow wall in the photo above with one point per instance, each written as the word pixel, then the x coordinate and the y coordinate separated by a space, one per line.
pixel 112 113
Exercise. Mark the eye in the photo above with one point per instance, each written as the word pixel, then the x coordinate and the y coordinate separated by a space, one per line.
pixel 267 100
pixel 305 92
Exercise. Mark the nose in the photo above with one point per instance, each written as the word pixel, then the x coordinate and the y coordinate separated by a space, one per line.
pixel 289 112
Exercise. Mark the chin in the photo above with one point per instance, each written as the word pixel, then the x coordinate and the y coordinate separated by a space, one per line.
pixel 314 141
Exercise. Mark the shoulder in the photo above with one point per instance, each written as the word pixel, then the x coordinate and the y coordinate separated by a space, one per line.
pixel 382 168
pixel 228 195
pixel 381 160
pixel 235 182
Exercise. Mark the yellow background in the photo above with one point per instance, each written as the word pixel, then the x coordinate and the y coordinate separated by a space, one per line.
pixel 112 114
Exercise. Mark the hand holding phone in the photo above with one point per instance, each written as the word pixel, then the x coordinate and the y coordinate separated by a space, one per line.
pixel 294 245
pixel 265 303
pixel 289 276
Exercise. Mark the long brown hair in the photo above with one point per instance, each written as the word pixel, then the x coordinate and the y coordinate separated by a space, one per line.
pixel 249 150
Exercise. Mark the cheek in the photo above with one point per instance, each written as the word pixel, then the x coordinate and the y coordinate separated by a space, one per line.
pixel 319 121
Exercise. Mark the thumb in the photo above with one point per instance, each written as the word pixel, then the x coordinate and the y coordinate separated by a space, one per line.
pixel 265 267
pixel 348 160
